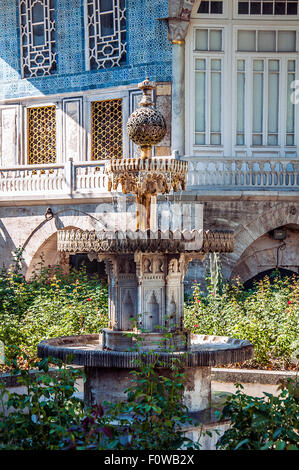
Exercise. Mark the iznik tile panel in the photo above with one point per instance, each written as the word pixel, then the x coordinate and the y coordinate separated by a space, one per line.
pixel 148 51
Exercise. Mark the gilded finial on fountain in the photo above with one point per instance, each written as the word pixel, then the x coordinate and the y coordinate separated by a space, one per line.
pixel 146 126
pixel 146 177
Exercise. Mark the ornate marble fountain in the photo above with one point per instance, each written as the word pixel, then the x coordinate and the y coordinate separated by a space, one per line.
pixel 146 269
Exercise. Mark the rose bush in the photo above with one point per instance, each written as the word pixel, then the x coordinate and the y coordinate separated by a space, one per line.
pixel 267 316
pixel 50 304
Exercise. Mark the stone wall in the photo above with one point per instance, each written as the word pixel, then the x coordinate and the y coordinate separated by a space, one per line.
pixel 163 104
pixel 255 250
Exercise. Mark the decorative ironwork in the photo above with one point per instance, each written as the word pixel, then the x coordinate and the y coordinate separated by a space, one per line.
pixel 106 129
pixel 41 135
pixel 106 25
pixel 37 21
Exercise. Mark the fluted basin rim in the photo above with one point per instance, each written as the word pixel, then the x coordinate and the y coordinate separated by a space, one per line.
pixel 87 350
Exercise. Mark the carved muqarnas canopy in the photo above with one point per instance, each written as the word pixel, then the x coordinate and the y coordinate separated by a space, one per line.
pixel 85 241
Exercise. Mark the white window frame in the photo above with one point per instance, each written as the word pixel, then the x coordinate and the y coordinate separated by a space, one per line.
pixel 229 86
pixel 261 17
pixel 191 147
pixel 281 149
pixel 222 15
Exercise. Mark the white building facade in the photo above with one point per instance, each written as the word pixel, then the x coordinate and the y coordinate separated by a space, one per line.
pixel 226 76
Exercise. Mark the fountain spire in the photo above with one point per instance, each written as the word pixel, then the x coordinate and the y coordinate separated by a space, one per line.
pixel 146 176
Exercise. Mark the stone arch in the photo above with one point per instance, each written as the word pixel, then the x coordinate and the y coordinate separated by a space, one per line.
pixel 266 254
pixel 44 239
pixel 47 252
pixel 246 235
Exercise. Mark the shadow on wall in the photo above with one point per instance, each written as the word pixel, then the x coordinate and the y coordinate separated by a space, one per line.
pixel 93 266
pixel 46 253
pixel 7 245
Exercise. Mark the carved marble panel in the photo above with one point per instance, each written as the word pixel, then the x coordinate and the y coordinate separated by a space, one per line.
pixel 72 128
pixel 8 136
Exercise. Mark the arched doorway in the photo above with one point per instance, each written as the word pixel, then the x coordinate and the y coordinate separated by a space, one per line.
pixel 270 252
pixel 270 273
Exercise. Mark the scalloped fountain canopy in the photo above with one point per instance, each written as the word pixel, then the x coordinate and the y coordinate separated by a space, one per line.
pixel 146 271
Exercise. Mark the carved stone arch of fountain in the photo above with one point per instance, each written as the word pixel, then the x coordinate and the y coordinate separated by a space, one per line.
pixel 254 246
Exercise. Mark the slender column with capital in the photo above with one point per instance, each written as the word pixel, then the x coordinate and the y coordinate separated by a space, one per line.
pixel 178 97
pixel 177 29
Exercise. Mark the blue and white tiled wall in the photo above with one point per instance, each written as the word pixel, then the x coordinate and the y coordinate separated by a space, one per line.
pixel 149 51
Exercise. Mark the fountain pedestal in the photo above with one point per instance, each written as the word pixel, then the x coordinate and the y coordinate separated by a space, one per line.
pixel 103 384
pixel 146 273
pixel 146 295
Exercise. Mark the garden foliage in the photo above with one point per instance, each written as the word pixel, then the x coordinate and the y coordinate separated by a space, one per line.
pixel 263 423
pixel 267 316
pixel 48 416
pixel 50 304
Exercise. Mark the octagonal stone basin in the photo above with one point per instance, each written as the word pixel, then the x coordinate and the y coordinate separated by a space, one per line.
pixel 204 351
pixel 108 374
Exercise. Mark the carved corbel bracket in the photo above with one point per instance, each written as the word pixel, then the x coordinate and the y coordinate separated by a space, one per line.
pixel 177 30
pixel 178 20
pixel 110 266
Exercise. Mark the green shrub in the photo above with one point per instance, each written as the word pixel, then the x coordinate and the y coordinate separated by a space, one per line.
pixel 39 418
pixel 50 304
pixel 265 423
pixel 267 316
pixel 49 417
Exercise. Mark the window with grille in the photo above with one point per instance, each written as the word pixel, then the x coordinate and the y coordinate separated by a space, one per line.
pixel 106 29
pixel 208 7
pixel 41 135
pixel 268 7
pixel 38 48
pixel 106 129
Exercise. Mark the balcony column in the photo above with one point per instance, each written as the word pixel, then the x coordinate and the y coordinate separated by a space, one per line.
pixel 177 29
